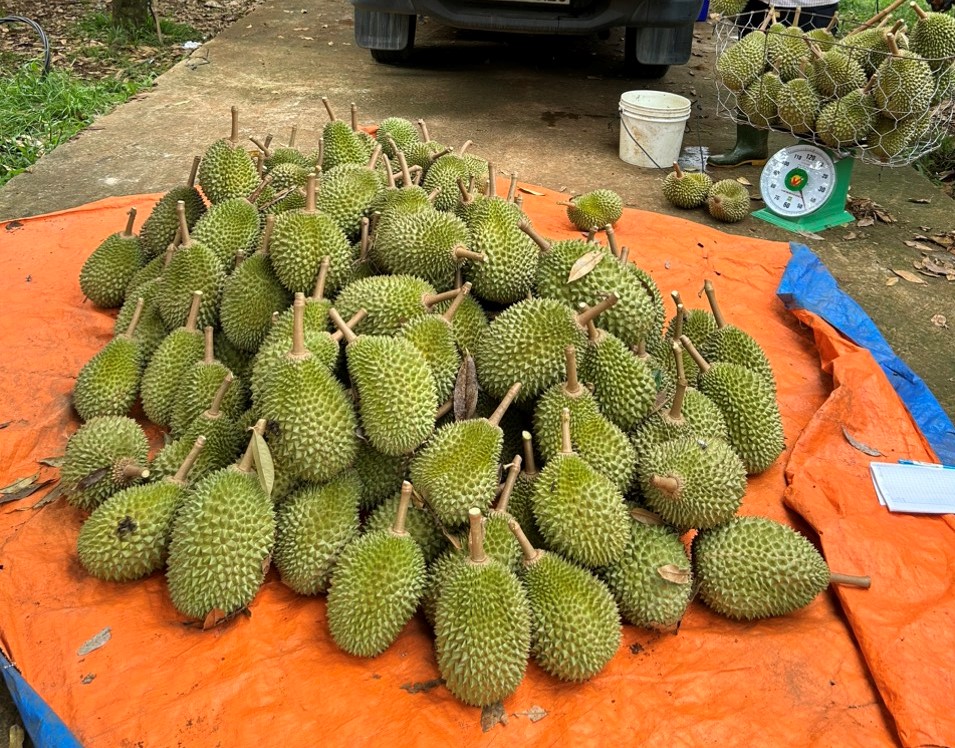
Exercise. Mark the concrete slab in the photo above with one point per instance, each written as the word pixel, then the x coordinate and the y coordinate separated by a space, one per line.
pixel 544 108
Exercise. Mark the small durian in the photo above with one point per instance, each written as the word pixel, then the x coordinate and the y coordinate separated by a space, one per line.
pixel 231 227
pixel 375 587
pixel 933 37
pixel 686 190
pixel 396 134
pixel 903 85
pixel 226 169
pixel 594 209
pixel 111 266
pixel 728 201
pixel 743 62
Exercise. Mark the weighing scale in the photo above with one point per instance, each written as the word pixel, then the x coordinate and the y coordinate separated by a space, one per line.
pixel 804 188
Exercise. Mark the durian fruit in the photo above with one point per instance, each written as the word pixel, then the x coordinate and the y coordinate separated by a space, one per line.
pixel 797 108
pixel 432 334
pixel 250 295
pixel 623 384
pixel 443 175
pixel 580 513
pixel 499 541
pixel 686 190
pixel 933 37
pixel 846 121
pixel 300 239
pixel 727 8
pixel 222 539
pixel 728 201
pixel 834 74
pixel 231 227
pixel 341 143
pixel 193 267
pixel 823 38
pixel 419 522
pixel 903 85
pixel 594 209
pixel 731 344
pixel 891 138
pixel 151 330
pixel 575 625
pixel 346 194
pixel 150 271
pixel 692 482
pixel 126 537
pixel 753 422
pixel 426 151
pixel 652 581
pixel 458 467
pixel 313 527
pixel 314 418
pixel 175 355
pixel 160 227
pixel 696 324
pixel 227 170
pixel 108 270
pixel 109 382
pixel 753 568
pixel 396 134
pixel 742 63
pixel 380 475
pixel 389 300
pixel 286 155
pixel 870 48
pixel 221 436
pixel 482 626
pixel 375 587
pixel 468 324
pixel 104 456
pixel 786 48
pixel 944 84
pixel 198 386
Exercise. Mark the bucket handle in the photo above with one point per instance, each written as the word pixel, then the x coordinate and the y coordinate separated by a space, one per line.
pixel 623 124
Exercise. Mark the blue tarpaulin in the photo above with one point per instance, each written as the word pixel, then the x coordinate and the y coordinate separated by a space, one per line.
pixel 45 729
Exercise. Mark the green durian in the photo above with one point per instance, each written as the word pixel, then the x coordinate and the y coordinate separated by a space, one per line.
pixel 395 131
pixel 934 38
pixel 389 300
pixel 499 541
pixel 903 84
pixel 419 522
pixel 346 194
pixel 159 229
pixel 227 170
pixel 846 121
pixel 624 387
pixel 433 335
pixel 151 330
pixel 743 62
pixel 728 201
pixel 595 209
pixel 381 475
pixel 686 190
pixel 109 269
pixel 342 144
pixel 469 323
pixel 758 103
pixel 231 227
pixel 509 268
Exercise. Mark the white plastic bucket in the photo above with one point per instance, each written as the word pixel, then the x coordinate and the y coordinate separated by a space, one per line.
pixel 651 127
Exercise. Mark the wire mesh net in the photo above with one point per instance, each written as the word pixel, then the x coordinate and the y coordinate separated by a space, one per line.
pixel 860 92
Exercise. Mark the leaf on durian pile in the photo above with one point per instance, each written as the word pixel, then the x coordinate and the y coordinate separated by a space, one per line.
pixel 92 479
pixel 492 715
pixel 465 390
pixel 213 618
pixel 585 265
pixel 52 496
pixel 19 484
pixel 52 461
pixel 861 446
pixel 673 573
pixel 264 467
pixel 645 517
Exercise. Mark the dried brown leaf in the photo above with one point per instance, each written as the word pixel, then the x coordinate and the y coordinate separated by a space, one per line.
pixel 885 216
pixel 861 446
pixel 465 390
pixel 264 467
pixel 52 461
pixel 673 573
pixel 908 276
pixel 422 686
pixel 645 516
pixel 891 281
pixel 93 478
pixel 529 191
pixel 492 715
pixel 95 642
pixel 850 236
pixel 744 181
pixel 918 245
pixel 52 496
pixel 213 618
pixel 863 222
pixel 939 320
pixel 19 484
pixel 585 265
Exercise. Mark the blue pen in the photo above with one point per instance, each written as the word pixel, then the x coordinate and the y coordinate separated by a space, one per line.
pixel 927 464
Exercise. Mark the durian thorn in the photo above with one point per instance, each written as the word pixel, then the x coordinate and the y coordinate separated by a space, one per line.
pixel 695 354
pixel 193 311
pixel 530 464
pixel 444 409
pixel 216 408
pixel 917 9
pixel 624 255
pixel 310 195
pixel 444 152
pixel 247 463
pixel 466 196
pixel 291 137
pixel 423 126
pixel 714 305
pixel 267 234
pixel 337 320
pixel 597 309
pixel 677 170
pixel 430 299
pixel 363 244
pixel 208 350
pixel 668 485
pixel 467 144
pixel 354 116
pixel 183 225
pixel 512 187
pixel 137 313
pixel 260 145
pixel 318 293
pixel 298 327
pixel 591 235
pixel 257 192
pixel 476 536
pixel 321 153
pixel 456 302
pixel 539 240
pixel 512 472
pixel 402 163
pixel 388 170
pixel 850 580
pixel 133 470
pixel 351 322
pixel 572 386
pixel 398 528
pixel 433 195
pixel 877 17
pixel 612 240
pixel 491 186
pixel 130 220
pixel 268 141
pixel 566 446
pixel 328 108
pixel 183 472
pixel 191 182
pixel 461 252
pixel 531 554
pixel 234 136
pixel 512 392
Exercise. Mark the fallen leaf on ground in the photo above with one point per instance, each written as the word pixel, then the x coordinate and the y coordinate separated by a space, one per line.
pixel 850 236
pixel 939 320
pixel 920 200
pixel 918 245
pixel 493 715
pixel 95 642
pixel 861 446
pixel 863 222
pixel 745 181
pixel 422 686
pixel 534 714
pixel 19 484
pixel 906 275
pixel 891 281
pixel 529 191
pixel 52 496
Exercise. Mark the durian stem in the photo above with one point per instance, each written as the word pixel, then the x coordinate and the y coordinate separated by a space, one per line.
pixel 267 234
pixel 238 259
pixel 676 409
pixel 495 418
pixel 816 52
pixel 512 187
pixel 234 137
pixel 566 203
pixel 592 332
pixel 570 358
pixel 128 231
pixel 402 164
pixel 467 144
pixel 392 184
pixel 433 195
pixel 291 137
pixel 398 528
pixel 268 140
pixel 183 471
pixel 695 354
pixel 456 302
pixel 310 194
pixel 612 240
pixel 566 446
pixel 298 326
pixel 191 182
pixel 668 485
pixel 509 482
pixel 593 312
pixel 337 320
pixel 351 322
pixel 624 255
pixel 321 153
pixel 458 277
pixel 137 313
pixel 794 24
pixel 531 554
pixel 677 170
pixel 877 17
pixel 354 117
pixel 423 126
pixel 328 108
pixel 530 464
pixel 893 47
pixel 444 409
pixel 476 536
pixel 917 9
pixel 677 300
pixel 833 21
pixel 444 152
pixel 640 350
pixel 850 580
pixel 247 463
pixel 461 252
pixel 260 145
pixel 363 244
pixel 678 322
pixel 491 186
pixel 319 291
pixel 216 408
pixel 208 354
pixel 133 470
pixel 194 311
pixel 463 189
pixel 899 26
pixel 519 201
pixel 591 235
pixel 430 299
pixel 183 225
pixel 714 305
pixel 266 181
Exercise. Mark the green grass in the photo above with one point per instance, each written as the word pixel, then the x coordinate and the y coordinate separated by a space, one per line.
pixel 98 27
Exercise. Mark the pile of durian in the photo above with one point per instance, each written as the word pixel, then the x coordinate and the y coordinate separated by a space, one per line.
pixel 883 90
pixel 376 374
pixel 726 200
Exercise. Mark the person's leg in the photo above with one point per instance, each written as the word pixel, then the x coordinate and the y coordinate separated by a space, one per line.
pixel 817 17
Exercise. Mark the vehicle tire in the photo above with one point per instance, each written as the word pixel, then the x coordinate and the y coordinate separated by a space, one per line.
pixel 633 67
pixel 397 56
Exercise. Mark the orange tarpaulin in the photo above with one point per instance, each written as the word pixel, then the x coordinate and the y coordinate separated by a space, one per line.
pixel 854 668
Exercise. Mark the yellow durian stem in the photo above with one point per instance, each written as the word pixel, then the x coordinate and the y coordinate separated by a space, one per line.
pixel 512 187
pixel 130 220
pixel 266 181
pixel 877 17
pixel 183 225
pixel 593 312
pixel 342 326
pixel 495 418
pixel 612 240
pixel 566 446
pixel 423 126
pixel 328 108
pixel 714 305
pixel 624 255
pixel 291 137
pixel 890 41
pixel 476 536
pixel 668 485
pixel 917 9
pixel 351 322
pixel 467 144
pixel 850 580
pixel 530 465
pixel 137 313
pixel 298 327
pixel 430 299
pixel 444 408
pixel 263 148
pixel 572 386
pixel 539 240
pixel 208 353
pixel 191 182
pixel 321 153
pixel 509 482
pixel 364 242
pixel 491 186
pixel 591 235
pixel 398 528
pixel 456 302
pixel 433 195
pixel 234 135
pixel 267 234
pixel 131 470
pixel 460 252
pixel 389 171
pixel 215 410
pixel 186 466
pixel 466 197
pixel 794 24
pixel 318 293
pixel 695 354
pixel 310 194
pixel 677 170
pixel 194 311
pixel 531 554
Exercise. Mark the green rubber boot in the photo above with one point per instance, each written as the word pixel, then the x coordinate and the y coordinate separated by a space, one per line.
pixel 752 147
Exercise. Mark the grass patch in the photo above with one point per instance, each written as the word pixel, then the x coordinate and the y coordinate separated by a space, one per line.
pixel 99 27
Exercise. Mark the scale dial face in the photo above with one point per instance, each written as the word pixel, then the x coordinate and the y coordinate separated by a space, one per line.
pixel 797 180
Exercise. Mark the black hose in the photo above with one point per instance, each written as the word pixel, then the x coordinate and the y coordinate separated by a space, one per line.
pixel 39 30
